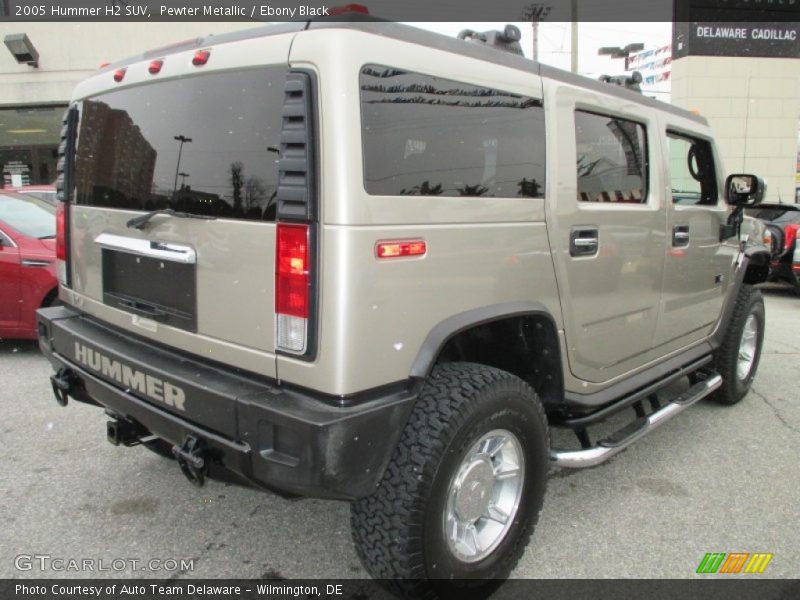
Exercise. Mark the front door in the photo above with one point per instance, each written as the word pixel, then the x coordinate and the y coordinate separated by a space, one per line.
pixel 698 266
pixel 9 283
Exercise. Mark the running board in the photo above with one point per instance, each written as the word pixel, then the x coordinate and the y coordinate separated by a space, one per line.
pixel 618 441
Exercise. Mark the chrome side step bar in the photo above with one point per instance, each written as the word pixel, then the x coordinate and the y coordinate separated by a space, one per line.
pixel 618 441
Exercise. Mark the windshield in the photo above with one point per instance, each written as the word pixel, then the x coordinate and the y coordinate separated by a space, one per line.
pixel 29 216
pixel 206 145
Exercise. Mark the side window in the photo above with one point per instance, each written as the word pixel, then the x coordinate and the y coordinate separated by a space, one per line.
pixel 611 159
pixel 691 166
pixel 429 136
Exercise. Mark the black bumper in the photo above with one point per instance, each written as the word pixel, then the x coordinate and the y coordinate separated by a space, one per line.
pixel 270 436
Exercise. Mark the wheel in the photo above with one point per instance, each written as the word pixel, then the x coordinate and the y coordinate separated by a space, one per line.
pixel 737 358
pixel 160 447
pixel 463 490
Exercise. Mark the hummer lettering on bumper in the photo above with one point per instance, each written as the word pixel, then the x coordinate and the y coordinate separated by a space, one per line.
pixel 147 385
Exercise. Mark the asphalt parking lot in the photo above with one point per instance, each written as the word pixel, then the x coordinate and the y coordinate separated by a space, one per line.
pixel 715 479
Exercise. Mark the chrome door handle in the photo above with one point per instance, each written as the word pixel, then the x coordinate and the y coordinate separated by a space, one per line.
pixel 680 235
pixel 584 241
pixel 161 250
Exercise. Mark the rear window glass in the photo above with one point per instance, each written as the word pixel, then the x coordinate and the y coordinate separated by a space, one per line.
pixel 428 136
pixel 206 144
pixel 29 216
pixel 611 159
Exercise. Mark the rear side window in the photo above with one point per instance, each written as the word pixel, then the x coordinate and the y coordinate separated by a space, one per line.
pixel 611 159
pixel 206 144
pixel 429 136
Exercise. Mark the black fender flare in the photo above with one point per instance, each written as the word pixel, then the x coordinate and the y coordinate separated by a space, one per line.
pixel 443 331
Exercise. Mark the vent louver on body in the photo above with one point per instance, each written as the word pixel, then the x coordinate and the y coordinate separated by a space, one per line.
pixel 66 149
pixel 296 166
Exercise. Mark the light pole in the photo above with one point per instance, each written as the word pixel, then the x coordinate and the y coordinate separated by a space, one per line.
pixel 183 140
pixel 535 13
pixel 183 177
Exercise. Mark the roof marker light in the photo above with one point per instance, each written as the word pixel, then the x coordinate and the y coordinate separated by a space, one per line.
pixel 155 66
pixel 348 8
pixel 201 57
pixel 119 75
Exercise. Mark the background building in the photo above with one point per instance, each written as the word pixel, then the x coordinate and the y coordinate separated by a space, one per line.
pixel 33 99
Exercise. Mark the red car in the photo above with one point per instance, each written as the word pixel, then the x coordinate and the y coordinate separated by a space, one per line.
pixel 27 262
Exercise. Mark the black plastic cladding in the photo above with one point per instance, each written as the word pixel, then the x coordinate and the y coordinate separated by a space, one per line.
pixel 296 192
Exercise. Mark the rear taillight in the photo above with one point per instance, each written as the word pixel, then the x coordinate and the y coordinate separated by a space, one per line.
pixel 292 286
pixel 61 232
pixel 791 235
pixel 61 242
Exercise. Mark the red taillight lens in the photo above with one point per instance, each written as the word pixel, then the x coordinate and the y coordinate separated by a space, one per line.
pixel 119 75
pixel 201 57
pixel 61 232
pixel 292 280
pixel 791 235
pixel 155 66
pixel 400 248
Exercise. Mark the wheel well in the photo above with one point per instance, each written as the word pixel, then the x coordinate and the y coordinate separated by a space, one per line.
pixel 51 296
pixel 757 268
pixel 526 346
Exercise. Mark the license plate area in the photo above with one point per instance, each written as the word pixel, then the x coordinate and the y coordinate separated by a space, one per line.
pixel 158 289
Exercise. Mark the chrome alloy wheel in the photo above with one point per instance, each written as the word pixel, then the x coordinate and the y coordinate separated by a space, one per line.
pixel 484 496
pixel 747 347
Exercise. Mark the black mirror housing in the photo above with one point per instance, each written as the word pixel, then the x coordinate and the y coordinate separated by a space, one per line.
pixel 742 189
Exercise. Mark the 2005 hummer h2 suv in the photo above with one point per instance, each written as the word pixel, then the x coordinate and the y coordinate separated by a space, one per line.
pixel 360 261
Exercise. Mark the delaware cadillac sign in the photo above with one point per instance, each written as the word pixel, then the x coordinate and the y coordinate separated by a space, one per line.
pixel 776 40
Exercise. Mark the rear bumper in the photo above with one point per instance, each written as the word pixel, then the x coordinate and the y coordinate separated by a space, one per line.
pixel 272 437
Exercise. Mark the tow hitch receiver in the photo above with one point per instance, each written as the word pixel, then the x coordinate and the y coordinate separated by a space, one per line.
pixel 191 457
pixel 62 383
pixel 125 433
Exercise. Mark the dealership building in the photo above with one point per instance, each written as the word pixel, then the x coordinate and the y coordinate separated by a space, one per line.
pixel 744 77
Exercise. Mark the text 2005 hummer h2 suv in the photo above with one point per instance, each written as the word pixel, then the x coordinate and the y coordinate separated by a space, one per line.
pixel 360 261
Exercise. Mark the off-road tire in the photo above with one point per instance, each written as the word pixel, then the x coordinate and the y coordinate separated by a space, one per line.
pixel 398 531
pixel 748 302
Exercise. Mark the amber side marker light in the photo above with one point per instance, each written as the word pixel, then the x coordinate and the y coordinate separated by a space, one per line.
pixel 401 248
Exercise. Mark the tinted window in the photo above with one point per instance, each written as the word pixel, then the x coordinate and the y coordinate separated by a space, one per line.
pixel 611 159
pixel 29 216
pixel 206 145
pixel 691 165
pixel 430 136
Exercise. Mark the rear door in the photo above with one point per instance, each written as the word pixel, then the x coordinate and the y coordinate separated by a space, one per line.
pixel 608 230
pixel 198 140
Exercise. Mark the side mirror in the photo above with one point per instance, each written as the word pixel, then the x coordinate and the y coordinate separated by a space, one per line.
pixel 744 190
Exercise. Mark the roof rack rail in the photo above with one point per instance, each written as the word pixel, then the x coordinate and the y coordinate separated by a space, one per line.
pixel 630 82
pixel 506 40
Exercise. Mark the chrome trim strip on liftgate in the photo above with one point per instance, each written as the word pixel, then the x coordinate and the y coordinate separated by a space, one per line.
pixel 161 250
pixel 605 449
